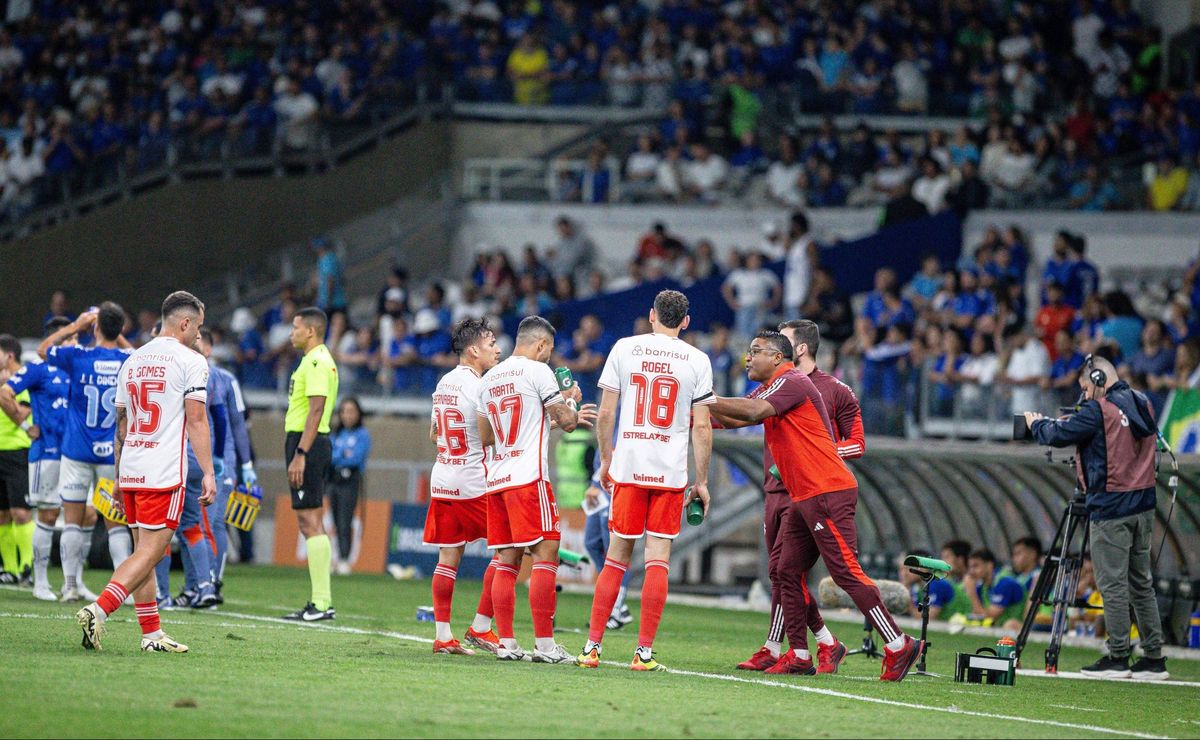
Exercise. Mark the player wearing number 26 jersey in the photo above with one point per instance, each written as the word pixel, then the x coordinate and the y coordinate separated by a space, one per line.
pixel 457 508
pixel 664 387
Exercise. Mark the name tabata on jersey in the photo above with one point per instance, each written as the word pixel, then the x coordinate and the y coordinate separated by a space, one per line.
pixel 646 436
pixel 656 367
pixel 506 389
pixel 90 379
pixel 439 491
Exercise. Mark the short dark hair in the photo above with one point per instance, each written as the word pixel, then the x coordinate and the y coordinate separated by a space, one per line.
pixel 315 318
pixel 1033 543
pixel 55 323
pixel 984 554
pixel 467 332
pixel 800 221
pixel 11 345
pixel 807 332
pixel 671 308
pixel 531 326
pixel 206 335
pixel 960 548
pixel 111 320
pixel 778 342
pixel 181 300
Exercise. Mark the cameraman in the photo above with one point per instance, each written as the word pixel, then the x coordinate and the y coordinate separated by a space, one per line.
pixel 1114 436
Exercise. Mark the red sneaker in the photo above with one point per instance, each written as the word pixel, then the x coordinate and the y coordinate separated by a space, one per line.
pixel 450 647
pixel 896 663
pixel 760 661
pixel 488 641
pixel 830 657
pixel 789 663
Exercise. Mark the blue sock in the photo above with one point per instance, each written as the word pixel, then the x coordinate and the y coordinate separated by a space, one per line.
pixel 162 574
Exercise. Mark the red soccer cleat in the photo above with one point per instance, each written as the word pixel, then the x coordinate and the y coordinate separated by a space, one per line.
pixel 488 641
pixel 830 657
pixel 896 663
pixel 450 647
pixel 789 663
pixel 760 661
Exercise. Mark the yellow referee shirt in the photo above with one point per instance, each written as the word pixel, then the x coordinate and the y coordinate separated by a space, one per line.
pixel 315 376
pixel 13 437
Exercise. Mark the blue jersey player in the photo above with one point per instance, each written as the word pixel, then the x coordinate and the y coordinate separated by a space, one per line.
pixel 47 386
pixel 87 443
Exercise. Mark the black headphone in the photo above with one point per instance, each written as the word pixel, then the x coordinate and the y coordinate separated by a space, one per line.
pixel 1098 377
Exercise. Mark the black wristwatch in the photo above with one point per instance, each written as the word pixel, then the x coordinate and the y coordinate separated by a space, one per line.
pixel 301 451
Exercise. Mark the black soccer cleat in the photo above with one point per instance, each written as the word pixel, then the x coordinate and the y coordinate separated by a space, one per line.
pixel 310 613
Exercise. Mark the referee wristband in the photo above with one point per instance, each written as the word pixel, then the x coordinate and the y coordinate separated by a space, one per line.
pixel 27 424
pixel 301 452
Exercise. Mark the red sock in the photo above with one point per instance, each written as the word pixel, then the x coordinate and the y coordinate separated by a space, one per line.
pixel 147 615
pixel 485 597
pixel 443 592
pixel 654 597
pixel 608 586
pixel 542 597
pixel 112 597
pixel 504 599
pixel 192 534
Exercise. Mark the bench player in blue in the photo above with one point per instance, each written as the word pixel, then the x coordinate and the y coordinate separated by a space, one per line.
pixel 87 446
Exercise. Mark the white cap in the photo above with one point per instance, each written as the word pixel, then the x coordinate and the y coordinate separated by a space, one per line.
pixel 426 321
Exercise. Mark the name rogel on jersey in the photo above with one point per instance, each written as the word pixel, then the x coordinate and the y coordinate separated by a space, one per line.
pixel 659 378
pixel 91 414
pixel 459 472
pixel 155 383
pixel 513 396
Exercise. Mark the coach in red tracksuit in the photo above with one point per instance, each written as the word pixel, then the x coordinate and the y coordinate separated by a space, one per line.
pixel 824 494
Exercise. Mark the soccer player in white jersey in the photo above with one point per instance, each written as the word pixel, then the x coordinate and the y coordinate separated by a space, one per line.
pixel 161 396
pixel 517 400
pixel 664 386
pixel 457 510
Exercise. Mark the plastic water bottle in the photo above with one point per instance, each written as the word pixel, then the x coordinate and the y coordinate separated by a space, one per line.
pixel 695 510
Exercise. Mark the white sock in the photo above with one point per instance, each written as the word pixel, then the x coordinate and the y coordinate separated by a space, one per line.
pixel 85 546
pixel 120 545
pixel 155 635
pixel 590 646
pixel 481 623
pixel 442 631
pixel 774 647
pixel 619 604
pixel 896 644
pixel 825 637
pixel 545 644
pixel 510 643
pixel 70 549
pixel 803 654
pixel 43 541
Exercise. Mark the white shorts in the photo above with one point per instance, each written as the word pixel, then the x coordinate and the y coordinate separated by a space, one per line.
pixel 43 484
pixel 76 480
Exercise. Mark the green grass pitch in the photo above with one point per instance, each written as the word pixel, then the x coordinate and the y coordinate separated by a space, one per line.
pixel 371 674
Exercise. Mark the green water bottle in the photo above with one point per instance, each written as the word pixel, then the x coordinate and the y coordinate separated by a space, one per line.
pixel 695 510
pixel 570 557
pixel 565 380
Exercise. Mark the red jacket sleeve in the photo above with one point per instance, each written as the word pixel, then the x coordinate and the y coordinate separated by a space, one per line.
pixel 851 441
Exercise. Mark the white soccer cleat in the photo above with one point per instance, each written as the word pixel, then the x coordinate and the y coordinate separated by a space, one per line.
pixel 503 653
pixel 89 620
pixel 343 569
pixel 42 592
pixel 86 594
pixel 164 644
pixel 69 595
pixel 558 655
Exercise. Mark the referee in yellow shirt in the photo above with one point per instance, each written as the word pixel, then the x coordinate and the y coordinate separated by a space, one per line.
pixel 312 395
pixel 16 518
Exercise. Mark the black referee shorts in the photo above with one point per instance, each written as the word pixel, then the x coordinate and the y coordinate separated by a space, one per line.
pixel 14 479
pixel 316 470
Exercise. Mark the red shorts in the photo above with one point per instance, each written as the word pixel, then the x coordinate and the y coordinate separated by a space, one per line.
pixel 637 511
pixel 522 516
pixel 451 523
pixel 153 509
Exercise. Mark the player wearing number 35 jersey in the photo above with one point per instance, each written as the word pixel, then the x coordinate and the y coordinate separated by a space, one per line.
pixel 457 510
pixel 664 386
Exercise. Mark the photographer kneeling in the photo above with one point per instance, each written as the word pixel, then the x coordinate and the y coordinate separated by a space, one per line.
pixel 1114 435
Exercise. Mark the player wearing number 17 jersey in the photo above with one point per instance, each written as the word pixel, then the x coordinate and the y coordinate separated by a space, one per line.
pixel 517 400
pixel 87 445
pixel 457 509
pixel 665 386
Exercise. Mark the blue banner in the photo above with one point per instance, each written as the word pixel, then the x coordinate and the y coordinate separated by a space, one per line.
pixel 405 546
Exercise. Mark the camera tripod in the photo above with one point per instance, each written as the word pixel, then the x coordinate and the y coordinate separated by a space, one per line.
pixel 1058 582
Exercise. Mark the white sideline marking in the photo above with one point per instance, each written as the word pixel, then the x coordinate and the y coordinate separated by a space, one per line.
pixel 1076 709
pixel 1075 676
pixel 676 671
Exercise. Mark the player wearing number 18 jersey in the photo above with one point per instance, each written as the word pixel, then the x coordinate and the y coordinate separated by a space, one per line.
pixel 517 400
pixel 665 386
pixel 87 445
pixel 457 509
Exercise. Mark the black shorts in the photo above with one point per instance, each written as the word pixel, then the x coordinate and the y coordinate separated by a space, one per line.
pixel 14 479
pixel 316 470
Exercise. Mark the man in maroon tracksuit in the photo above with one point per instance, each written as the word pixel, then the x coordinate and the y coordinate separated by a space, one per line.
pixel 824 495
